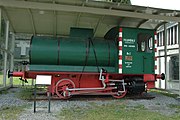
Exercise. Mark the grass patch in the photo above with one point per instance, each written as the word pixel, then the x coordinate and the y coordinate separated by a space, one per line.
pixel 165 93
pixel 139 107
pixel 157 103
pixel 16 81
pixel 112 112
pixel 27 93
pixel 11 112
pixel 1 79
pixel 3 92
pixel 174 106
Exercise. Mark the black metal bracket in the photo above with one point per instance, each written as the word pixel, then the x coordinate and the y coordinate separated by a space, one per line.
pixel 49 99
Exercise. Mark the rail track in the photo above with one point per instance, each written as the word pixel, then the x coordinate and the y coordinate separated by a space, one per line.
pixel 42 96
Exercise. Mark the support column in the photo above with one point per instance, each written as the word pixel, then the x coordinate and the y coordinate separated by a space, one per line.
pixel 0 22
pixel 0 31
pixel 179 53
pixel 165 52
pixel 5 53
pixel 174 35
pixel 32 84
pixel 159 68
pixel 12 57
pixel 177 34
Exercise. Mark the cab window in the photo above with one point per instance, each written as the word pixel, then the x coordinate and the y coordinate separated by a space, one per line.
pixel 144 43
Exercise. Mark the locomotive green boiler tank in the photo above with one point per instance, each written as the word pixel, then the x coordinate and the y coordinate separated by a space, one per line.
pixel 125 51
pixel 72 54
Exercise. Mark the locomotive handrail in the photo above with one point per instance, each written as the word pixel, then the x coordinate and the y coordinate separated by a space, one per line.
pixel 101 77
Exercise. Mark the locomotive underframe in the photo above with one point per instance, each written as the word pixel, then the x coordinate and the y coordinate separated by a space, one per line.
pixel 66 84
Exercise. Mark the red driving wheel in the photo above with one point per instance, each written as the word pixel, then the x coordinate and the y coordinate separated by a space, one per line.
pixel 61 86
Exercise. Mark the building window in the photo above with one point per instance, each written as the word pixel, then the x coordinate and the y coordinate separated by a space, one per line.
pixel 162 38
pixel 175 35
pixel 174 67
pixel 168 36
pixel 158 39
pixel 172 35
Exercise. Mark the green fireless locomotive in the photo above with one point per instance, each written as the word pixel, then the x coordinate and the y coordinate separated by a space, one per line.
pixel 124 61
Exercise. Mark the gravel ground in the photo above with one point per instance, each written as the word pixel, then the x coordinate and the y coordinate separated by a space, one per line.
pixel 10 99
pixel 159 104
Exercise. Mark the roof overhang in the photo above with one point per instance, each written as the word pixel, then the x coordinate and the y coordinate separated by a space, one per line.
pixel 55 17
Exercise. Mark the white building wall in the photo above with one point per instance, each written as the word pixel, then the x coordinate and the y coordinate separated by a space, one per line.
pixel 172 49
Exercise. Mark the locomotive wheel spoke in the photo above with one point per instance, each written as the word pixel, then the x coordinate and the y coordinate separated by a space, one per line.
pixel 61 84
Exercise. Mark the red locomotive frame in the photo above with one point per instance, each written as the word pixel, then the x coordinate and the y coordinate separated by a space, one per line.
pixel 66 84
